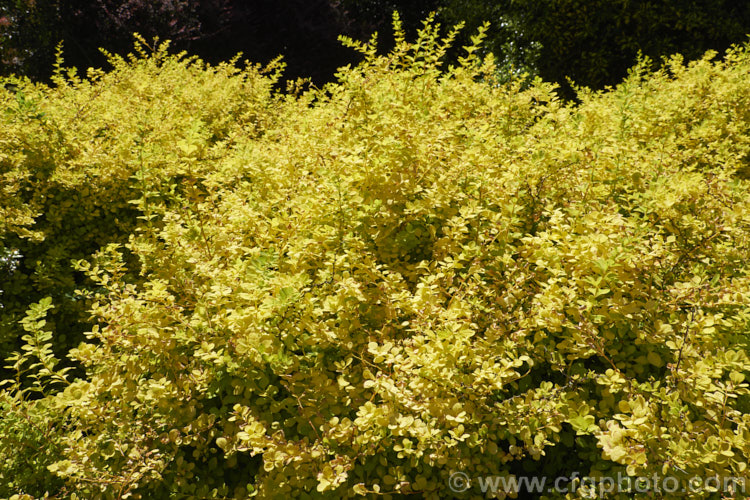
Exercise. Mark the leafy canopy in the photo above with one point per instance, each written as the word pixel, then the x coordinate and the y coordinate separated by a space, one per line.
pixel 360 289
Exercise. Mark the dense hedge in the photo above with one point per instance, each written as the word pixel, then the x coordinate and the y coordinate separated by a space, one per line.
pixel 364 288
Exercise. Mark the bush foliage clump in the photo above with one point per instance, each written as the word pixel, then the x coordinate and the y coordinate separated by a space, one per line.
pixel 364 288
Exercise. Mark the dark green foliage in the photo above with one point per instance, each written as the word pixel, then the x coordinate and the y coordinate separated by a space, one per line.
pixel 591 42
pixel 30 29
pixel 595 42
pixel 304 31
pixel 28 34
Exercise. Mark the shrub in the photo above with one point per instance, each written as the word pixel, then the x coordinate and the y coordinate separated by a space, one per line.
pixel 363 288
pixel 80 163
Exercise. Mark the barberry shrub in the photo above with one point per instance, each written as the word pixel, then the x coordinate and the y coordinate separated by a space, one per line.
pixel 364 288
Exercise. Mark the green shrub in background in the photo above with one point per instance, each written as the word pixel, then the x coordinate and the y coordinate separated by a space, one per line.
pixel 361 289
pixel 594 42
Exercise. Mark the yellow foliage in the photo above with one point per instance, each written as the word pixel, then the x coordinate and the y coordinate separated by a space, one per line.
pixel 363 288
